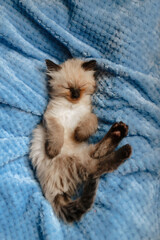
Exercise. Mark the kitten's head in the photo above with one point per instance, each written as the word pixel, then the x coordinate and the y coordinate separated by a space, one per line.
pixel 71 80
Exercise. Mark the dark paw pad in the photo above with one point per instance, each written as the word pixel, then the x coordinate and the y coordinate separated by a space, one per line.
pixel 126 151
pixel 119 130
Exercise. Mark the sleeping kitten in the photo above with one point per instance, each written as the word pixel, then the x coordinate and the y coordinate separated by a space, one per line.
pixel 59 151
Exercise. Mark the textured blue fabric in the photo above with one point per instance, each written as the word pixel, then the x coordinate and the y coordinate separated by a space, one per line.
pixel 124 37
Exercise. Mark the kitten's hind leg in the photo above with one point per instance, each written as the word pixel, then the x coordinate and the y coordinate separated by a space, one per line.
pixel 72 210
pixel 117 132
pixel 112 161
pixel 86 127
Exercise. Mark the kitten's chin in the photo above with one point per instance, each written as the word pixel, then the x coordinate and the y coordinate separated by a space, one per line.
pixel 73 100
pixel 85 98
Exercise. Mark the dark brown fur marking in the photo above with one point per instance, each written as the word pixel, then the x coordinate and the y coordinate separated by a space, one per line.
pixel 51 66
pixel 112 161
pixel 70 171
pixel 61 182
pixel 111 140
pixel 90 65
pixel 72 211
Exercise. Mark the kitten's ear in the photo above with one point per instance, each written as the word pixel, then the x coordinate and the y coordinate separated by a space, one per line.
pixel 90 65
pixel 51 66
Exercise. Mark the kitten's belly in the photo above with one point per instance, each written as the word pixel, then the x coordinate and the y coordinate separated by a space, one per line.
pixel 69 119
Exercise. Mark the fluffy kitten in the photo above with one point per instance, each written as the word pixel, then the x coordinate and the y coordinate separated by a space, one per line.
pixel 59 150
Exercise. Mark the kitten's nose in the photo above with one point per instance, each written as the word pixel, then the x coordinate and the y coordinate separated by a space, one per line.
pixel 75 93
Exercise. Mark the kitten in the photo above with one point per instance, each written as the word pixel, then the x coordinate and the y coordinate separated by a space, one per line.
pixel 59 151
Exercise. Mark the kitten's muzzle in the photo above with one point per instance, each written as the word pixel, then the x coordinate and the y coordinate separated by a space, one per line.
pixel 75 93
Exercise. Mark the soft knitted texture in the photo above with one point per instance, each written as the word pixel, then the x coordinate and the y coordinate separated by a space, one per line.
pixel 124 37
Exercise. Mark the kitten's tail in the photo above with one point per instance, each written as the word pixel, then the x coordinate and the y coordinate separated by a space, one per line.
pixel 72 210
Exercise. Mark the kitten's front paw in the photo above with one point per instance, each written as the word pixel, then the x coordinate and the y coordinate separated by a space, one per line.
pixel 51 150
pixel 80 135
pixel 86 127
pixel 119 130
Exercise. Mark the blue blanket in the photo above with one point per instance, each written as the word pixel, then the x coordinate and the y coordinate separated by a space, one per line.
pixel 124 37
